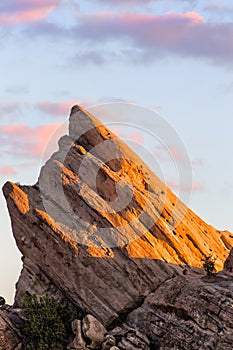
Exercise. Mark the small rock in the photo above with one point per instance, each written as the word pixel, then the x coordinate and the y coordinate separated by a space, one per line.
pixel 137 338
pixel 109 342
pixel 2 301
pixel 126 345
pixel 94 331
pixel 78 343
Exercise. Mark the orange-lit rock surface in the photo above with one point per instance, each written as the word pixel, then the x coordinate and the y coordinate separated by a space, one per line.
pixel 100 229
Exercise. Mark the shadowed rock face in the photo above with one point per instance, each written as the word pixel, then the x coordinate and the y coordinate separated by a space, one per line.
pixel 188 313
pixel 228 265
pixel 9 337
pixel 100 230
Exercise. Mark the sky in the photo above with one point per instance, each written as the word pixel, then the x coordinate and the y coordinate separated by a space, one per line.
pixel 173 57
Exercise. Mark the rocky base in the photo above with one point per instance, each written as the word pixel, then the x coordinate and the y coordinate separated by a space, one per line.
pixel 91 334
pixel 10 338
pixel 188 312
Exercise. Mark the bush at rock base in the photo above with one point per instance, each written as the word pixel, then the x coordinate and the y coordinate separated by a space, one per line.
pixel 48 325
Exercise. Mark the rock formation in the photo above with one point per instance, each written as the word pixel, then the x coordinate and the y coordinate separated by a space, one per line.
pixel 188 313
pixel 9 335
pixel 228 265
pixel 102 232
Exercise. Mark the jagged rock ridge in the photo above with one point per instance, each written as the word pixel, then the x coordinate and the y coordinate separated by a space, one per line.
pixel 90 237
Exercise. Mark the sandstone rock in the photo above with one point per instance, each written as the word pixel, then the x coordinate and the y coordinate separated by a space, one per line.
pixel 188 313
pixel 79 342
pixel 228 265
pixel 100 231
pixel 134 340
pixel 15 315
pixel 2 301
pixel 94 331
pixel 98 216
pixel 109 342
pixel 9 336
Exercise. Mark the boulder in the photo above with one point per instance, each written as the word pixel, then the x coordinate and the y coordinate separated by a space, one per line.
pixel 94 331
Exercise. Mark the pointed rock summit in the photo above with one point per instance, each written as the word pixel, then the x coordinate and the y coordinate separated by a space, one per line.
pixel 100 230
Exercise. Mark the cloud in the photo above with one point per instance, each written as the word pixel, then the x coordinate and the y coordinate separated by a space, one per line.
pixel 7 170
pixel 219 8
pixel 60 109
pixel 134 136
pixel 174 185
pixel 154 36
pixel 124 2
pixel 23 140
pixel 169 153
pixel 8 108
pixel 55 108
pixel 24 11
pixel 89 56
pixel 142 38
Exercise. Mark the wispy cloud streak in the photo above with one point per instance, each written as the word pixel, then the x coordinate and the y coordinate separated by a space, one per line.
pixel 24 11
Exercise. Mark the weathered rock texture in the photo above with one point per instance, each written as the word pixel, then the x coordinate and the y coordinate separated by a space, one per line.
pixel 228 265
pixel 188 313
pixel 90 334
pixel 9 335
pixel 100 230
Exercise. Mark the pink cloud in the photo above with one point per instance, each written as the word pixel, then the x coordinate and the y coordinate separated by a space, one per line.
pixel 55 108
pixel 23 140
pixel 59 108
pixel 133 136
pixel 176 153
pixel 125 2
pixel 139 27
pixel 174 185
pixel 186 34
pixel 142 37
pixel 24 11
pixel 7 170
pixel 168 154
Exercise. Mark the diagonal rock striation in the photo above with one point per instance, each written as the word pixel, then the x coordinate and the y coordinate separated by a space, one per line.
pixel 100 230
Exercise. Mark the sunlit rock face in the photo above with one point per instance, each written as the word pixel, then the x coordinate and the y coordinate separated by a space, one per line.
pixel 100 230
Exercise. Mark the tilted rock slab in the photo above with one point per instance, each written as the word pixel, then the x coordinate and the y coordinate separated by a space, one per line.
pixel 186 313
pixel 100 230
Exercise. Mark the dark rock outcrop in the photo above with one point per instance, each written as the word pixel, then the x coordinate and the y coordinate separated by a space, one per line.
pixel 228 265
pixel 9 335
pixel 188 313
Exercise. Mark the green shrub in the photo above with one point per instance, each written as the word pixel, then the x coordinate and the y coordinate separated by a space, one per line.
pixel 48 325
pixel 209 265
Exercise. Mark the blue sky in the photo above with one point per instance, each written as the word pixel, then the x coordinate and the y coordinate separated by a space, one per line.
pixel 172 56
